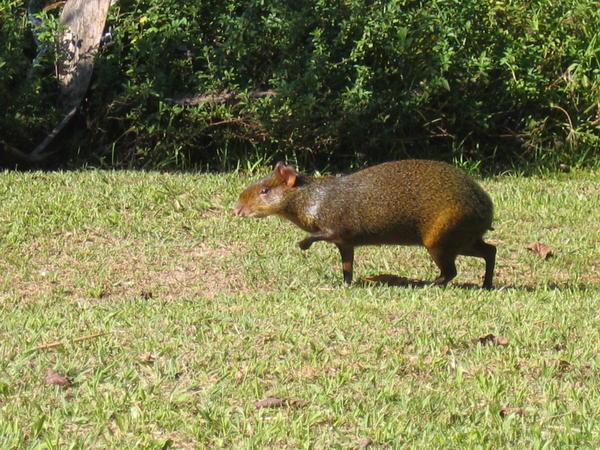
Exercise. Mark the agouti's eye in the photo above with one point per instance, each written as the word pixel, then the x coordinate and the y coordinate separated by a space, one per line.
pixel 264 191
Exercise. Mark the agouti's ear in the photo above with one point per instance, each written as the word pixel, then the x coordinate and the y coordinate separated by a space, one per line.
pixel 287 173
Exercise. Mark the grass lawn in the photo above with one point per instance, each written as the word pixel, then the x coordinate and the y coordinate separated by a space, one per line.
pixel 195 315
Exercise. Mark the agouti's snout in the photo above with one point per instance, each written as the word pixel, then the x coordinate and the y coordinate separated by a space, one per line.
pixel 242 211
pixel 411 202
pixel 237 210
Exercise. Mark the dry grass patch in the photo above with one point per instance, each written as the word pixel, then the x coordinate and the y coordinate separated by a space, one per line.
pixel 95 265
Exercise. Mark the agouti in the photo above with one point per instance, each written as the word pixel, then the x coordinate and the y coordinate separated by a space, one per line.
pixel 410 202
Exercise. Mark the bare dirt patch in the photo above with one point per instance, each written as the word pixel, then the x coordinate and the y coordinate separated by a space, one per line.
pixel 93 265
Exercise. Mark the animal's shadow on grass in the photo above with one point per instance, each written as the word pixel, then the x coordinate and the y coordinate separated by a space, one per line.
pixel 398 281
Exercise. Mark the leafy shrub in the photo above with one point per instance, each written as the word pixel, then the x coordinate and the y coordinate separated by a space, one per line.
pixel 484 80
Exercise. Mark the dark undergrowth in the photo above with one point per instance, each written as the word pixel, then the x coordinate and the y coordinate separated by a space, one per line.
pixel 491 86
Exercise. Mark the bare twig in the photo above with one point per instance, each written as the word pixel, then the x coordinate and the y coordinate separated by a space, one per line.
pixel 564 111
pixel 74 341
pixel 221 97
pixel 229 122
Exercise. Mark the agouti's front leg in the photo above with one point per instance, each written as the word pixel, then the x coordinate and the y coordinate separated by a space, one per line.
pixel 346 251
pixel 305 243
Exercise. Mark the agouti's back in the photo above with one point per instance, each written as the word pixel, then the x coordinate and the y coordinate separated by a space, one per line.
pixel 401 202
pixel 410 202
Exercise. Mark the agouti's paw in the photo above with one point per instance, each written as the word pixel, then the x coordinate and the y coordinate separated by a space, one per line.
pixel 304 244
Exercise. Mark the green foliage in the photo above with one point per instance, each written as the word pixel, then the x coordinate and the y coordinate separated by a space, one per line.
pixel 28 94
pixel 497 81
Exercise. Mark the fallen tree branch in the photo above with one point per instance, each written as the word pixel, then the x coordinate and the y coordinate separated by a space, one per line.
pixel 222 97
pixel 39 154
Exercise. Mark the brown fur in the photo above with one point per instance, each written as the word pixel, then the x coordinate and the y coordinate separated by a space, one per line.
pixel 410 202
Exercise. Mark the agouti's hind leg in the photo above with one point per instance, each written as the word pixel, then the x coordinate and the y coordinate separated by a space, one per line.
pixel 444 259
pixel 347 252
pixel 481 249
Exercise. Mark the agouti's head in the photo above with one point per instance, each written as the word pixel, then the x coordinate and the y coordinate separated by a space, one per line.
pixel 267 196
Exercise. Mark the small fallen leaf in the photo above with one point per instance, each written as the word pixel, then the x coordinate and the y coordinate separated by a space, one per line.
pixel 504 412
pixel 502 341
pixel 542 250
pixel 490 339
pixel 274 402
pixel 269 402
pixel 446 350
pixel 53 377
pixel 148 358
pixel 364 443
pixel 296 403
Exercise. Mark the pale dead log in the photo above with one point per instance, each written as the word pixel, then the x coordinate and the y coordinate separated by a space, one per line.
pixel 83 23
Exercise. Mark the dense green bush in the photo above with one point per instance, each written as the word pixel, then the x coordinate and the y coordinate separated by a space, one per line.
pixel 487 80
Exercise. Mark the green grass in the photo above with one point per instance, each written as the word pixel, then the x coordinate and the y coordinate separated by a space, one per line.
pixel 206 313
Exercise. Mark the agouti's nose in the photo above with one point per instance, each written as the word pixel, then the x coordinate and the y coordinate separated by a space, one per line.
pixel 237 210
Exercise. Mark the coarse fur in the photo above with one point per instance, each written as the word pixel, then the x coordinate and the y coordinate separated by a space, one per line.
pixel 409 202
